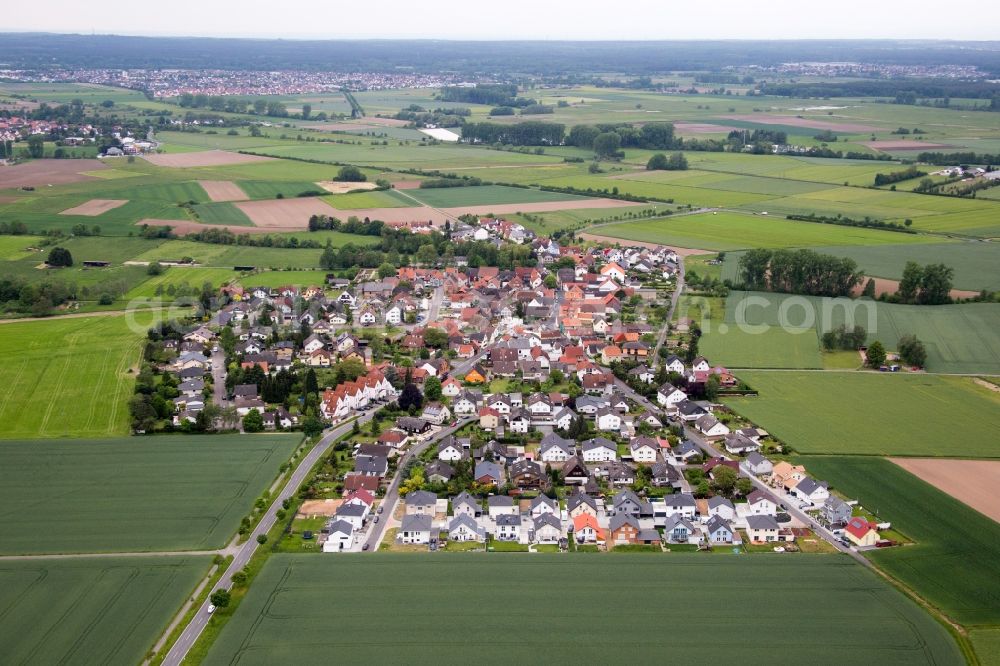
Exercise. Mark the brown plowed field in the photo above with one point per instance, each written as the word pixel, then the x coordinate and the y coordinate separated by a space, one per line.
pixel 286 214
pixel 204 158
pixel 702 128
pixel 36 173
pixel 95 207
pixel 973 482
pixel 809 123
pixel 223 190
pixel 903 144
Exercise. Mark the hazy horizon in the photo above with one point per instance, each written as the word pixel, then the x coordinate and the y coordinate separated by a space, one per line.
pixel 585 20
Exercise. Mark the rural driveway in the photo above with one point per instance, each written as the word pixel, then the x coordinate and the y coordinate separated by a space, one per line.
pixel 197 624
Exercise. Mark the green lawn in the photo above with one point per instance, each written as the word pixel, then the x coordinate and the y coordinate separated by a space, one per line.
pixel 959 338
pixel 774 348
pixel 133 494
pixel 874 413
pixel 955 562
pixel 14 247
pixel 733 231
pixel 374 608
pixel 95 611
pixel 67 377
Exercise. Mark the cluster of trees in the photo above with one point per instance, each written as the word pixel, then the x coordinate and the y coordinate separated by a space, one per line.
pixel 39 298
pixel 898 176
pixel 350 174
pixel 902 90
pixel 798 272
pixel 845 339
pixel 660 162
pixel 925 285
pixel 15 228
pixel 59 257
pixel 418 115
pixel 867 222
pixel 651 136
pixel 959 159
pixel 489 94
pixel 760 139
pixel 353 225
pixel 911 351
pixel 875 355
pixel 532 133
pixel 230 104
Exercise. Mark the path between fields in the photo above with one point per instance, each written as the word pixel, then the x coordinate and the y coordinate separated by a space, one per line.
pixel 73 315
pixel 158 553
pixel 403 193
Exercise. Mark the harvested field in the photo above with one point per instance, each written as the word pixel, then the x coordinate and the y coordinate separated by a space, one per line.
pixel 385 122
pixel 95 207
pixel 973 482
pixel 285 214
pixel 47 172
pixel 223 190
pixel 681 251
pixel 809 123
pixel 206 158
pixel 406 185
pixel 886 286
pixel 903 144
pixel 702 128
pixel 336 187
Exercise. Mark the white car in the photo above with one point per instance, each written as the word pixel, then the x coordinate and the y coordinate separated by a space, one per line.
pixel 211 609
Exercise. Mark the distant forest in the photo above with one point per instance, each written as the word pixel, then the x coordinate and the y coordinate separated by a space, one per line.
pixel 29 50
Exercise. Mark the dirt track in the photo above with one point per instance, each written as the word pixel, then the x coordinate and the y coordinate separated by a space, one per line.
pixel 95 207
pixel 38 173
pixel 973 482
pixel 204 158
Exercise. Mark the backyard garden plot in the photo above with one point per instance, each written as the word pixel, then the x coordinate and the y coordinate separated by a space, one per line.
pixel 167 493
pixel 870 413
pixel 98 611
pixel 67 377
pixel 959 338
pixel 732 231
pixel 339 610
pixel 976 265
pixel 955 560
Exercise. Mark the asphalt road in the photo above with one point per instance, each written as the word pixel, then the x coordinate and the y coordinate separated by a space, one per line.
pixel 790 504
pixel 219 377
pixel 391 498
pixel 674 299
pixel 197 624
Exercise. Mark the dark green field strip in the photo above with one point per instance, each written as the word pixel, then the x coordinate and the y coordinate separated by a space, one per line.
pixel 131 495
pixel 499 609
pixel 90 610
pixel 955 563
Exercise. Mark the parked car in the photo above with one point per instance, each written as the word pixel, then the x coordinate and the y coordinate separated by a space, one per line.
pixel 211 609
pixel 381 509
pixel 364 547
pixel 376 519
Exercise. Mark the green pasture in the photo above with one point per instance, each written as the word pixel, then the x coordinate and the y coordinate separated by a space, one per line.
pixel 67 378
pixel 90 610
pixel 16 247
pixel 795 348
pixel 955 560
pixel 304 601
pixel 732 231
pixel 164 493
pixel 961 338
pixel 871 413
pixel 181 276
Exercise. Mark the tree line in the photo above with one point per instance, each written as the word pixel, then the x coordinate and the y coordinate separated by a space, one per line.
pixel 898 176
pixel 925 285
pixel 798 272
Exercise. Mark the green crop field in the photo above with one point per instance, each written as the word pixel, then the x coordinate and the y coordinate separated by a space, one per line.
pixel 270 189
pixel 166 493
pixel 976 265
pixel 304 601
pixel 874 413
pixel 961 338
pixel 173 277
pixel 774 348
pixel 955 562
pixel 89 610
pixel 67 377
pixel 450 197
pixel 222 213
pixel 374 199
pixel 733 231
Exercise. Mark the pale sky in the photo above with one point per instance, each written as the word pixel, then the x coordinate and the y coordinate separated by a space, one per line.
pixel 520 19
